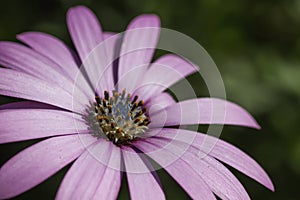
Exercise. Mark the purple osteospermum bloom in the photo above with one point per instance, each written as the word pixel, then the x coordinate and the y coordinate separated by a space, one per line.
pixel 103 133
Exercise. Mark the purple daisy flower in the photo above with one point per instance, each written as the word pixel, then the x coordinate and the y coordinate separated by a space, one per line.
pixel 112 131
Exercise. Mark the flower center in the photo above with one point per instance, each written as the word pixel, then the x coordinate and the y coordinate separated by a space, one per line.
pixel 121 118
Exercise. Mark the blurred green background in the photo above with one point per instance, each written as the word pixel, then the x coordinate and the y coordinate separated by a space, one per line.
pixel 255 44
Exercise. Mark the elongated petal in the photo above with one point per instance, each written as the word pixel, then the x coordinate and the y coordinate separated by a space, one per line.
pixel 234 157
pixel 221 181
pixel 110 186
pixel 20 85
pixel 159 102
pixel 24 59
pixel 107 35
pixel 142 184
pixel 87 36
pixel 28 105
pixel 112 44
pixel 58 52
pixel 205 111
pixel 223 151
pixel 38 162
pixel 85 30
pixel 163 73
pixel 189 180
pixel 52 48
pixel 137 49
pixel 25 124
pixel 86 174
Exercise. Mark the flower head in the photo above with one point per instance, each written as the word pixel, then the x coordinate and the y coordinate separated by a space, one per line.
pixel 112 115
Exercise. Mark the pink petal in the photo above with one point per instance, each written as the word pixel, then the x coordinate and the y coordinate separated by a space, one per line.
pixel 53 48
pixel 107 35
pixel 85 30
pixel 57 51
pixel 142 184
pixel 205 111
pixel 111 43
pixel 24 59
pixel 38 162
pixel 87 173
pixel 159 102
pixel 20 85
pixel 137 49
pixel 27 105
pixel 163 73
pixel 110 186
pixel 25 124
pixel 223 151
pixel 189 180
pixel 218 178
pixel 222 182
pixel 86 34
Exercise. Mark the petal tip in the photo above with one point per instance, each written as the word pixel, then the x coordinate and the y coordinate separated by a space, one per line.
pixel 145 20
pixel 77 10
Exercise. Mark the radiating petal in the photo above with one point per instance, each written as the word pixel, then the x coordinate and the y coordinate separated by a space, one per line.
pixel 142 184
pixel 25 124
pixel 163 73
pixel 20 85
pixel 112 44
pixel 24 59
pixel 87 173
pixel 111 180
pixel 236 158
pixel 189 180
pixel 28 105
pixel 205 111
pixel 223 151
pixel 221 181
pixel 38 162
pixel 137 49
pixel 58 52
pixel 52 48
pixel 85 30
pixel 107 35
pixel 86 34
pixel 159 102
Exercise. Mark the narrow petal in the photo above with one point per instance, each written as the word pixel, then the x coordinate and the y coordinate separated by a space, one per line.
pixel 86 34
pixel 25 124
pixel 107 35
pixel 85 30
pixel 137 49
pixel 57 51
pixel 28 105
pixel 112 44
pixel 52 48
pixel 189 180
pixel 20 85
pixel 159 102
pixel 205 111
pixel 87 173
pixel 38 162
pixel 221 181
pixel 222 151
pixel 163 73
pixel 234 157
pixel 110 186
pixel 24 59
pixel 142 184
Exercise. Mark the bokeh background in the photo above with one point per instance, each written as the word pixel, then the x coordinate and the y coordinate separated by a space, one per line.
pixel 255 44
